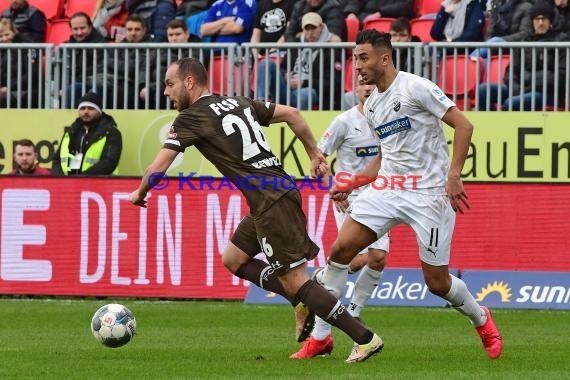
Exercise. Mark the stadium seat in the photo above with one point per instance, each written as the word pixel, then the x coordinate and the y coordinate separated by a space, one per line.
pixel 74 6
pixel 426 7
pixel 53 9
pixel 4 4
pixel 422 28
pixel 352 28
pixel 57 31
pixel 220 75
pixel 459 76
pixel 382 24
pixel 349 74
pixel 496 68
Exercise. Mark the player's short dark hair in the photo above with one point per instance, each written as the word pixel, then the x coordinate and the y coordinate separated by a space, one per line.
pixel 193 67
pixel 375 38
pixel 401 24
pixel 81 14
pixel 177 23
pixel 24 142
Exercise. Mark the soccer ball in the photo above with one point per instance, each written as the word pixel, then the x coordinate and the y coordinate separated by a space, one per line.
pixel 113 325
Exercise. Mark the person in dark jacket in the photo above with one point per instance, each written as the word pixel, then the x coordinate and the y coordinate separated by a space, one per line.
pixel 331 12
pixel 529 86
pixel 29 21
pixel 92 145
pixel 459 21
pixel 82 32
pixel 372 9
pixel 156 15
pixel 19 76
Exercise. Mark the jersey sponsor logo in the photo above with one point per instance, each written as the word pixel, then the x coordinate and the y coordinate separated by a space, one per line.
pixel 266 162
pixel 366 151
pixel 396 126
pixel 172 134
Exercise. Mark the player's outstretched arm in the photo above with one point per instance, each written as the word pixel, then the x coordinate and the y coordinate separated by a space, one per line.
pixel 301 129
pixel 344 185
pixel 152 175
pixel 461 140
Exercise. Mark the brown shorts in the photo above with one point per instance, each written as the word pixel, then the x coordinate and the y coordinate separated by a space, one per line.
pixel 280 233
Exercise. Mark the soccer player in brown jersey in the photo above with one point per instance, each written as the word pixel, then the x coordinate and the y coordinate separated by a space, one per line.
pixel 228 132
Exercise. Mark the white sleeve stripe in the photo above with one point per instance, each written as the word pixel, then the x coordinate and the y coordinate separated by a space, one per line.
pixel 173 142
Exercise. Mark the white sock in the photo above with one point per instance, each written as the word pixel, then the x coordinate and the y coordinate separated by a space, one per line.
pixel 363 288
pixel 321 330
pixel 334 278
pixel 461 300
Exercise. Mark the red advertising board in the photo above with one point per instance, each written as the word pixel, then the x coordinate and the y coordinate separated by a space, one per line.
pixel 81 236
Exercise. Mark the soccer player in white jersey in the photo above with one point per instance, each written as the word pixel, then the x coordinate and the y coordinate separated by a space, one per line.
pixel 405 113
pixel 349 136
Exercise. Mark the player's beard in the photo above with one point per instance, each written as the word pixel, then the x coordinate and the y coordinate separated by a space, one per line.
pixel 183 101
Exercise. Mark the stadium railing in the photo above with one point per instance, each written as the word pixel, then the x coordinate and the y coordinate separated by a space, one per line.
pixel 60 72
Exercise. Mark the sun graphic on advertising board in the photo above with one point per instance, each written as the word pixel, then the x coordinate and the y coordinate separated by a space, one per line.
pixel 496 287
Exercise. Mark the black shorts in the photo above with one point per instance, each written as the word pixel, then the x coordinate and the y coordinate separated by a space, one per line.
pixel 280 233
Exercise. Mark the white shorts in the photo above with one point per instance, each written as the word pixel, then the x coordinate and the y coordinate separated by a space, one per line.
pixel 430 216
pixel 383 243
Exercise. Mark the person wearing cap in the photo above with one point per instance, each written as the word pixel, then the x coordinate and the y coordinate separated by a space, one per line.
pixel 92 145
pixel 529 82
pixel 305 80
pixel 331 11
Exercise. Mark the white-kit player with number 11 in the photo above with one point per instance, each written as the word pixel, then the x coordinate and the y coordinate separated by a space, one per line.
pixel 405 112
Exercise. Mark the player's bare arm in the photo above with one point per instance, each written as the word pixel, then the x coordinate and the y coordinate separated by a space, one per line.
pixel 301 129
pixel 341 190
pixel 161 163
pixel 461 139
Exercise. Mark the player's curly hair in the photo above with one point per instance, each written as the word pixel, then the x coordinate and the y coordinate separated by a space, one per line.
pixel 194 68
pixel 375 38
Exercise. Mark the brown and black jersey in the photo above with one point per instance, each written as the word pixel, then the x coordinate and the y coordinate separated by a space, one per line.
pixel 228 131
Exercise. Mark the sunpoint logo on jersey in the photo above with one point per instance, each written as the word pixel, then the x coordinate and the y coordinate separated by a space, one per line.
pixel 526 290
pixel 343 181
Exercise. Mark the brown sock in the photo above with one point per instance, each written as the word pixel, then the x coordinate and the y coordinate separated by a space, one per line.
pixel 326 306
pixel 261 274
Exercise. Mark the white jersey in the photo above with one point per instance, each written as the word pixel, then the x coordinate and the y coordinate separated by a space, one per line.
pixel 406 118
pixel 354 143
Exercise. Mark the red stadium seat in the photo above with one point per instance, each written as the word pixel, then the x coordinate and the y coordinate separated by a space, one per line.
pixel 459 76
pixel 4 4
pixel 496 68
pixel 382 24
pixel 352 28
pixel 220 76
pixel 57 31
pixel 53 9
pixel 422 28
pixel 349 74
pixel 426 7
pixel 74 6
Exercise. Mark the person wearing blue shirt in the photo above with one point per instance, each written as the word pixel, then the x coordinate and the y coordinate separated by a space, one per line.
pixel 229 21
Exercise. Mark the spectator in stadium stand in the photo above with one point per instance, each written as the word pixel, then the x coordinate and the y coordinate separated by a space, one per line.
pixel 29 20
pixel 459 21
pixel 542 16
pixel 177 33
pixel 365 10
pixel 229 21
pixel 331 11
pixel 401 31
pixel 132 63
pixel 156 14
pixel 10 78
pixel 271 18
pixel 26 159
pixel 92 145
pixel 561 17
pixel 109 17
pixel 82 32
pixel 509 20
pixel 306 70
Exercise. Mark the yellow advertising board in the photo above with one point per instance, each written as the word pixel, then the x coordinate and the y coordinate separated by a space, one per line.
pixel 506 146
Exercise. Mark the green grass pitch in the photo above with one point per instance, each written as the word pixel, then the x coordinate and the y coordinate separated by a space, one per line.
pixel 51 339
